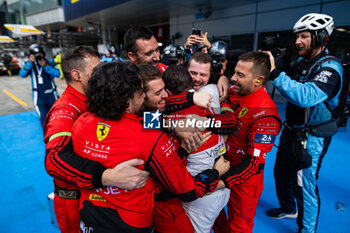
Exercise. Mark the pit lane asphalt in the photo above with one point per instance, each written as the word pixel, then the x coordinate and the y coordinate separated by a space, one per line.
pixel 21 89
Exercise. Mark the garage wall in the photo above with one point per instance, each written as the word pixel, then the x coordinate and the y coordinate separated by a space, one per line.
pixel 265 16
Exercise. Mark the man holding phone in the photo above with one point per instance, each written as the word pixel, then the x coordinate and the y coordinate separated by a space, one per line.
pixel 198 41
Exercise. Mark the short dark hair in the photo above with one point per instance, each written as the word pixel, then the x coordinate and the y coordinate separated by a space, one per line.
pixel 177 79
pixel 110 88
pixel 74 59
pixel 202 58
pixel 134 33
pixel 261 63
pixel 148 73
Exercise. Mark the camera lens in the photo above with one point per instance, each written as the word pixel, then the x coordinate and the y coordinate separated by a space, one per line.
pixel 269 43
pixel 38 57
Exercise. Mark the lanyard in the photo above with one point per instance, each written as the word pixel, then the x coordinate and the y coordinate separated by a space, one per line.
pixel 40 78
pixel 39 70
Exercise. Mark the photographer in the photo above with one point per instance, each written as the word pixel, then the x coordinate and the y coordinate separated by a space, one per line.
pixel 313 95
pixel 218 54
pixel 173 55
pixel 198 42
pixel 42 73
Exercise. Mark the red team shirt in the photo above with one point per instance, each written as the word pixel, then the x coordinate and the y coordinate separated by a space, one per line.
pixel 162 67
pixel 258 125
pixel 112 142
pixel 59 162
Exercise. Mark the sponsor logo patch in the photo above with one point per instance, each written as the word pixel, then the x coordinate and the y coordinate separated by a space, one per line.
pixel 84 228
pixel 95 197
pixel 203 177
pixel 243 112
pixel 102 131
pixel 264 138
pixel 323 76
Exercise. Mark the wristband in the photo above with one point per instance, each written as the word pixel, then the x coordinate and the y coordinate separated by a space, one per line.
pixel 274 74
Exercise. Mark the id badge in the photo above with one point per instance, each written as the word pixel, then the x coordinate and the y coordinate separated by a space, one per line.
pixel 40 80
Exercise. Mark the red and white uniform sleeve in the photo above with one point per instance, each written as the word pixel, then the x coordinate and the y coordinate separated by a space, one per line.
pixel 69 170
pixel 260 139
pixel 227 119
pixel 178 102
pixel 169 169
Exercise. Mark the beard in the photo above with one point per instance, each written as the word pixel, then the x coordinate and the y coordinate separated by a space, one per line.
pixel 197 85
pixel 305 53
pixel 150 105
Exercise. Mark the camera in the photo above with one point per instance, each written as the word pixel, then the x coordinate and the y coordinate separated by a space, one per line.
pixel 217 66
pixel 38 57
pixel 218 55
pixel 170 61
pixel 281 55
pixel 196 32
pixel 270 43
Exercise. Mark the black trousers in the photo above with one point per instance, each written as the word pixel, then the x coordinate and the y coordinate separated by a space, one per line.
pixel 95 219
pixel 284 173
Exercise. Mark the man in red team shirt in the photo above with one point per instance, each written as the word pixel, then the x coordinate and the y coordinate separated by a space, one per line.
pixel 168 215
pixel 71 172
pixel 142 47
pixel 112 133
pixel 258 125
pixel 178 79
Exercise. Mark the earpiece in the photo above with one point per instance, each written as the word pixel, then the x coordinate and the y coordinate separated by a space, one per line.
pixel 78 76
pixel 321 37
pixel 259 81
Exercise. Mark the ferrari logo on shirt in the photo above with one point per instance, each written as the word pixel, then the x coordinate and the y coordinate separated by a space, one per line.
pixel 102 131
pixel 243 112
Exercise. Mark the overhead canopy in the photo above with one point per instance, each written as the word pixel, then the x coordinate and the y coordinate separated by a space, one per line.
pixel 22 30
pixel 6 39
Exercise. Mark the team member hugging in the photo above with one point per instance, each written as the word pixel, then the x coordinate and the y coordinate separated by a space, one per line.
pixel 203 211
pixel 111 133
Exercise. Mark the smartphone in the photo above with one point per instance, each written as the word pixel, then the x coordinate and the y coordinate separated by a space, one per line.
pixel 196 32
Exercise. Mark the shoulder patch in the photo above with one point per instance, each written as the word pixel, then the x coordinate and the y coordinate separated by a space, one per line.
pixel 323 76
pixel 264 138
